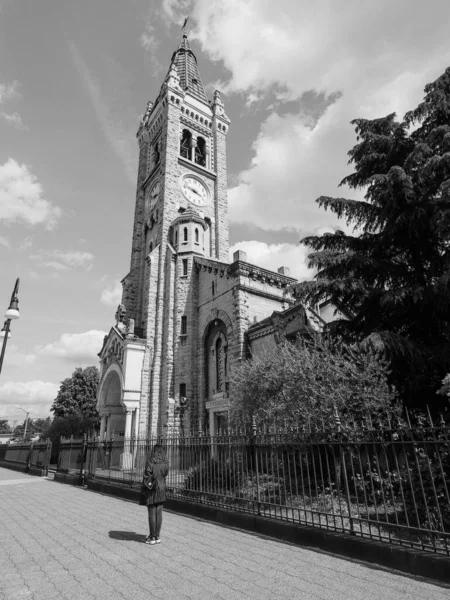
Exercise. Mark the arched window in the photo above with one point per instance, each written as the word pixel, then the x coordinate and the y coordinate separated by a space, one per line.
pixel 196 235
pixel 219 365
pixel 176 237
pixel 200 152
pixel 155 154
pixel 213 289
pixel 185 234
pixel 185 143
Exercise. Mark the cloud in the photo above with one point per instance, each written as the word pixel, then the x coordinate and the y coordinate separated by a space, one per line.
pixel 81 349
pixel 15 358
pixel 112 294
pixel 276 56
pixel 9 91
pixel 21 197
pixel 26 244
pixel 64 261
pixel 4 241
pixel 117 133
pixel 273 256
pixel 34 396
pixel 149 41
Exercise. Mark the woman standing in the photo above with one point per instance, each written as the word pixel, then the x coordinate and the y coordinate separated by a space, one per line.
pixel 158 466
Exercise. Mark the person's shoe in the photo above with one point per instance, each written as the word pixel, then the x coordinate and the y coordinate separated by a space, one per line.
pixel 157 541
pixel 150 541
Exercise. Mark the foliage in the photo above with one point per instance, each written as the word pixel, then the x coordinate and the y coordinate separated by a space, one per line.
pixel 77 395
pixel 5 427
pixel 445 389
pixel 302 384
pixel 393 275
pixel 34 427
pixel 75 425
pixel 213 475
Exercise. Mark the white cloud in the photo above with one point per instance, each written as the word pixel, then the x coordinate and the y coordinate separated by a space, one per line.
pixel 14 119
pixel 34 396
pixel 15 358
pixel 116 132
pixel 63 261
pixel 274 256
pixel 10 91
pixel 379 65
pixel 112 294
pixel 26 244
pixel 4 241
pixel 21 197
pixel 81 349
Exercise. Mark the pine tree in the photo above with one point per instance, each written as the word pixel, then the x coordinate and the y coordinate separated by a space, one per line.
pixel 393 274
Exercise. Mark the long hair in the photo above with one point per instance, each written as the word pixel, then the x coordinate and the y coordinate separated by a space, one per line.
pixel 157 455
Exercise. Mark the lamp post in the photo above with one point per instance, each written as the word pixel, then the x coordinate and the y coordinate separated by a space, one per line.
pixel 10 314
pixel 26 422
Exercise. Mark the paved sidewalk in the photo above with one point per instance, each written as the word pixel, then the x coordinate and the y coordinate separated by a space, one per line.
pixel 58 541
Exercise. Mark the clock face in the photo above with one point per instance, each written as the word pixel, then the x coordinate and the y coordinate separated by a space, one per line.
pixel 152 196
pixel 195 191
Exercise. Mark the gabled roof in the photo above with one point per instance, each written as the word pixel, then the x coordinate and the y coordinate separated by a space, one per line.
pixel 186 65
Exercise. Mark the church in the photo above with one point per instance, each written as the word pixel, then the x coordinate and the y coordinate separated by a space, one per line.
pixel 188 315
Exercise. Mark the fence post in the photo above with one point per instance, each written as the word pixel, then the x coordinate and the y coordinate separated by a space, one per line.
pixel 344 470
pixel 83 460
pixel 255 459
pixel 30 456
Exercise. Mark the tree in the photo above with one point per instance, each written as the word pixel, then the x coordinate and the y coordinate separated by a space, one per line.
pixel 77 395
pixel 393 274
pixel 303 383
pixel 5 426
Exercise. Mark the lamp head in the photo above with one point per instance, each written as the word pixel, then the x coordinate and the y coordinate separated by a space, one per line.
pixel 13 310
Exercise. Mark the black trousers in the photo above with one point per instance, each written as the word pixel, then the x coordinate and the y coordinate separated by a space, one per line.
pixel 155 512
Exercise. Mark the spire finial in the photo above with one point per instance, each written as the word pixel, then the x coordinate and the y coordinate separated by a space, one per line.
pixel 183 29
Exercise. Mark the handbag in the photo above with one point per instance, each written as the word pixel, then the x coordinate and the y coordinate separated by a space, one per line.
pixel 151 483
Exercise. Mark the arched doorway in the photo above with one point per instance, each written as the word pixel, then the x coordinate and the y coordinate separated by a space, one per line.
pixel 110 408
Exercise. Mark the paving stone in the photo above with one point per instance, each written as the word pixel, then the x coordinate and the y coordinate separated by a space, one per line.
pixel 72 543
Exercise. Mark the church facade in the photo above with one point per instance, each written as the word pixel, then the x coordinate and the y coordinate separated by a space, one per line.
pixel 188 315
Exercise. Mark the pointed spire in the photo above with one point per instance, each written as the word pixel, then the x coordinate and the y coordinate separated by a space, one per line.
pixel 185 63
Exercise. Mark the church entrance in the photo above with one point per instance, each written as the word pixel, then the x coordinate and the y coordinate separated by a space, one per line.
pixel 217 377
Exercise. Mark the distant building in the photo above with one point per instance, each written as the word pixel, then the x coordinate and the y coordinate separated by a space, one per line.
pixel 188 316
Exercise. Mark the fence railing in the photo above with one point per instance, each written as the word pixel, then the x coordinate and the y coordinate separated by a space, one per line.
pixel 390 485
pixel 35 455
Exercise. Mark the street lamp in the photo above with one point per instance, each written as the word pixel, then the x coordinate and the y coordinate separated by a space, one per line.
pixel 26 422
pixel 10 314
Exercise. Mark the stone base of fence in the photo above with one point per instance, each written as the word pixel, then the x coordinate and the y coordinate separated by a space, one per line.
pixel 406 560
pixel 69 478
pixel 14 467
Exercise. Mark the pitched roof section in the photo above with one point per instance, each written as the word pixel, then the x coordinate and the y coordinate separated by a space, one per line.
pixel 186 65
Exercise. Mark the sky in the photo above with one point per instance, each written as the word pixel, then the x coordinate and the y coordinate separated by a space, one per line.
pixel 75 78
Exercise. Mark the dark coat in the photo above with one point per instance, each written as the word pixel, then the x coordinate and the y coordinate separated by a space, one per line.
pixel 160 471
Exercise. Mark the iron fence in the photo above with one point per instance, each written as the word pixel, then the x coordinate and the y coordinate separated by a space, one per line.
pixel 390 485
pixel 35 455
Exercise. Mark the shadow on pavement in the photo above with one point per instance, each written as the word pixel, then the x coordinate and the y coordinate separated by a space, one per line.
pixel 127 535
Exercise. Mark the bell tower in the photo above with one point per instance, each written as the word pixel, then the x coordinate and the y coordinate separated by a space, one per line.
pixel 181 211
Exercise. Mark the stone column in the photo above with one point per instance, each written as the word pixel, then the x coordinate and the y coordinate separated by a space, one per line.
pixel 126 459
pixel 208 157
pixel 108 425
pixel 192 149
pixel 102 427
